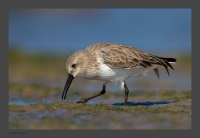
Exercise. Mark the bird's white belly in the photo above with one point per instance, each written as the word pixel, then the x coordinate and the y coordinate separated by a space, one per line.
pixel 112 74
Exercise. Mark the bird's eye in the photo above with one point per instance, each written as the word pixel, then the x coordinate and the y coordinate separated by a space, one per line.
pixel 73 65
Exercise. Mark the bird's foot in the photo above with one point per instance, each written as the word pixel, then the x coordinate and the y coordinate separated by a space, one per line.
pixel 82 101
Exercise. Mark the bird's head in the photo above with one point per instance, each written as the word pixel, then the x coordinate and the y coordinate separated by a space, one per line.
pixel 75 67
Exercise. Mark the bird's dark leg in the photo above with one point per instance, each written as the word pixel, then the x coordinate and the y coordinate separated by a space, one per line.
pixel 126 93
pixel 103 91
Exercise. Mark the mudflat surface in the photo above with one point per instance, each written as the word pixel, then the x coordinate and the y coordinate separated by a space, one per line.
pixel 173 111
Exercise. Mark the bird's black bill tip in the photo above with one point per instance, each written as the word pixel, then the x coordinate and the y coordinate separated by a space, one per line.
pixel 67 84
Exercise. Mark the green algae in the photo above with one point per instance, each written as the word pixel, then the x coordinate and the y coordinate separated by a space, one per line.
pixel 15 107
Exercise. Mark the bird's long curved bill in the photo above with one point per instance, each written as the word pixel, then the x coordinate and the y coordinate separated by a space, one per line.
pixel 67 84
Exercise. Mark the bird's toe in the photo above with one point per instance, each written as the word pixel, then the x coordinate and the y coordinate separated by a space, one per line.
pixel 82 101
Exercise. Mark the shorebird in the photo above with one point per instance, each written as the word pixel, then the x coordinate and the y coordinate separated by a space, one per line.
pixel 111 62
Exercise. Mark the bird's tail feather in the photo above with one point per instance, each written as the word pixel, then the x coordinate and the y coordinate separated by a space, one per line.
pixel 166 63
pixel 170 60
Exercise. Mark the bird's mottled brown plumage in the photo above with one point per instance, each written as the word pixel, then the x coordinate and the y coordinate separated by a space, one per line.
pixel 123 56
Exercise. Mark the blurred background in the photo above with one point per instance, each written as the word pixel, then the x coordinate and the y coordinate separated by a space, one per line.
pixel 41 40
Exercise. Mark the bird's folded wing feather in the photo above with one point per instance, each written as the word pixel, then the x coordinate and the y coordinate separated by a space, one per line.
pixel 123 56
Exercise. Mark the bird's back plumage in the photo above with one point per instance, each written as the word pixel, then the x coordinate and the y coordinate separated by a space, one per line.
pixel 126 57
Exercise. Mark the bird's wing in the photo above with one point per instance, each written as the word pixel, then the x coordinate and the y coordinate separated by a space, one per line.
pixel 123 56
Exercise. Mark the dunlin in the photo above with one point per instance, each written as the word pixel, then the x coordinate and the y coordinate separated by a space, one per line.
pixel 112 63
